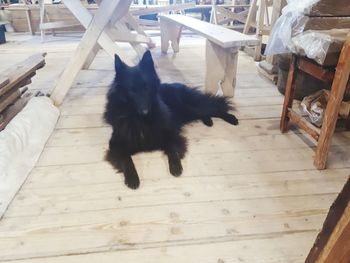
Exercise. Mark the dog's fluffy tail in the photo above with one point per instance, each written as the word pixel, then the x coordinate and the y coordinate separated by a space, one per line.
pixel 193 105
pixel 209 105
pixel 214 106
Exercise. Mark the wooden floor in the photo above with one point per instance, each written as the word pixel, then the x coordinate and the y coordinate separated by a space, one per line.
pixel 248 193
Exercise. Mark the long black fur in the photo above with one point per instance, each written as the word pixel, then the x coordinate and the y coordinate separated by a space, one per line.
pixel 147 115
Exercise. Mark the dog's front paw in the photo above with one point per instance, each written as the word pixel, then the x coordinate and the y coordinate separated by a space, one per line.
pixel 132 182
pixel 131 178
pixel 175 167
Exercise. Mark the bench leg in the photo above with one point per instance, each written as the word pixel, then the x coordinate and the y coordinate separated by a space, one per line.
pixel 288 96
pixel 169 32
pixel 333 105
pixel 221 68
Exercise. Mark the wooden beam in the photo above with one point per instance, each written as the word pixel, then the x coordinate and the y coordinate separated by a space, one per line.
pixel 303 124
pixel 121 34
pixel 132 23
pixel 123 30
pixel 57 24
pixel 146 22
pixel 332 245
pixel 316 71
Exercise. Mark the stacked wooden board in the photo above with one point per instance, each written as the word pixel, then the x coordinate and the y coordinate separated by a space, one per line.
pixel 330 8
pixel 328 14
pixel 13 87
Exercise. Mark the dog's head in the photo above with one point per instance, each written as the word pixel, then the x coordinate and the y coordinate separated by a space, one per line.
pixel 138 84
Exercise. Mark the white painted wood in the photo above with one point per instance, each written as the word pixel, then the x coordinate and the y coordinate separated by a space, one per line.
pixel 223 74
pixel 102 17
pixel 221 36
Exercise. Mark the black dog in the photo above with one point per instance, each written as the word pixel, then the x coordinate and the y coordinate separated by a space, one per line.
pixel 147 115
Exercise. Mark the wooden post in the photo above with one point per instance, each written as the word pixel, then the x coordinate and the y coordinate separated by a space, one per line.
pixel 251 16
pixel 332 245
pixel 42 15
pixel 288 95
pixel 260 29
pixel 332 110
pixel 29 18
pixel 221 67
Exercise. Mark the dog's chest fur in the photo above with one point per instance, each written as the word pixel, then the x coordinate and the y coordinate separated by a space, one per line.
pixel 141 134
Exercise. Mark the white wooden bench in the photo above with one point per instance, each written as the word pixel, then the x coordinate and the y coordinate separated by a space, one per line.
pixel 222 47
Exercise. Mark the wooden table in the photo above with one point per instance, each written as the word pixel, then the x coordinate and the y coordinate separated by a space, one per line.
pixel 102 30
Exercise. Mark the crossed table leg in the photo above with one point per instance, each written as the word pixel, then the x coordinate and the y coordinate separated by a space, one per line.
pixel 109 12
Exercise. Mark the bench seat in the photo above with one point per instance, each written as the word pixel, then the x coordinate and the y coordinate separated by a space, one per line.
pixel 222 47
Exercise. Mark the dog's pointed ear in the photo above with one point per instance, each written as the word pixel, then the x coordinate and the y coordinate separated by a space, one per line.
pixel 118 63
pixel 147 61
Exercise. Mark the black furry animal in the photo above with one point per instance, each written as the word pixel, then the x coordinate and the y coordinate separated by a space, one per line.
pixel 147 115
